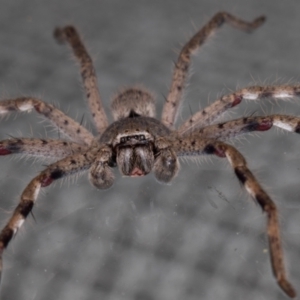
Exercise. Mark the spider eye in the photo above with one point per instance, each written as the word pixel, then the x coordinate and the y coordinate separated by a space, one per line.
pixel 137 137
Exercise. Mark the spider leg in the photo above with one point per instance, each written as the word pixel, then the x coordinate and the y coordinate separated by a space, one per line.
pixel 65 167
pixel 194 145
pixel 100 173
pixel 233 128
pixel 69 34
pixel 220 106
pixel 182 65
pixel 66 124
pixel 40 147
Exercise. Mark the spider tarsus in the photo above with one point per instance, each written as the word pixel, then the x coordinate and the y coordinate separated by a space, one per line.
pixel 259 21
pixel 65 33
pixel 287 287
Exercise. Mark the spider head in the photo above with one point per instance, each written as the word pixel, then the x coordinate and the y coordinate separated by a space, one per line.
pixel 134 154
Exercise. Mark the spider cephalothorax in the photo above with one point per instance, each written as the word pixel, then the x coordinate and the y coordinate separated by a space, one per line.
pixel 135 137
pixel 138 143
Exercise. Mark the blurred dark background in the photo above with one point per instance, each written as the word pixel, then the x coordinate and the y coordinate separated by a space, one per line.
pixel 201 237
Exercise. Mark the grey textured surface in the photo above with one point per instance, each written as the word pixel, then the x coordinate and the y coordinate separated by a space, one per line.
pixel 198 238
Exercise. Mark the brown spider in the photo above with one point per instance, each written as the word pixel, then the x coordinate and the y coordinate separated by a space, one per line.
pixel 138 143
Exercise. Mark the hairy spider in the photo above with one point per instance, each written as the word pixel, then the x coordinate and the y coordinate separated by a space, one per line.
pixel 138 143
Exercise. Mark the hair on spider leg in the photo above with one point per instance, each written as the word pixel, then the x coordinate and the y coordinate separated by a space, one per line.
pixel 139 143
pixel 33 217
pixel 82 118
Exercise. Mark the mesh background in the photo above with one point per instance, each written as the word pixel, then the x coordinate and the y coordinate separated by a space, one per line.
pixel 201 237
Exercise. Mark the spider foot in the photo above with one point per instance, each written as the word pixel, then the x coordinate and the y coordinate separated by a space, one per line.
pixel 62 34
pixel 287 287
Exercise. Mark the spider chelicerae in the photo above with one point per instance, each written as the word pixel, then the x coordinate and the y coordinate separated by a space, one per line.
pixel 138 143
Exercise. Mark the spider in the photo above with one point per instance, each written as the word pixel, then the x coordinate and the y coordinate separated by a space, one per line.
pixel 138 143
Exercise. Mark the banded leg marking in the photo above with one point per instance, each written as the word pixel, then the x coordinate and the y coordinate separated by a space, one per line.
pixel 218 107
pixel 234 128
pixel 67 166
pixel 193 145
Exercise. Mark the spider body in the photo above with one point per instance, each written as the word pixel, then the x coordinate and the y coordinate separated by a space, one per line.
pixel 133 137
pixel 138 143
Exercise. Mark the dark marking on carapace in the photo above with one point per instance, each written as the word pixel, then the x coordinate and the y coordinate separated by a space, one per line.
pixel 133 114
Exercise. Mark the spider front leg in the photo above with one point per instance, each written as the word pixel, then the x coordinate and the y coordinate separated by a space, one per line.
pixel 65 167
pixel 195 145
pixel 69 34
pixel 182 65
